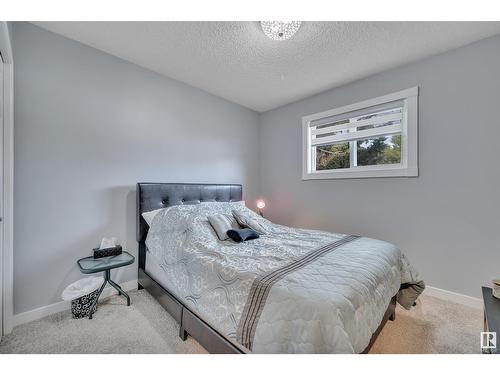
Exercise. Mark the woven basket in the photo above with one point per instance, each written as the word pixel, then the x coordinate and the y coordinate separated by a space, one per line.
pixel 80 307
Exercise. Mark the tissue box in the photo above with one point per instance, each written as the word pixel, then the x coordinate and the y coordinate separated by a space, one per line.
pixel 110 251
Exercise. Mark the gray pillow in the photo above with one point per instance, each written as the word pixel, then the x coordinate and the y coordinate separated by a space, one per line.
pixel 246 221
pixel 222 223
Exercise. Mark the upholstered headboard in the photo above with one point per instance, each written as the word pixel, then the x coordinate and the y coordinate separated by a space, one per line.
pixel 152 196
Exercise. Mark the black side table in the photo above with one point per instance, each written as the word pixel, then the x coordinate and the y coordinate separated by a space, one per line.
pixel 491 317
pixel 90 265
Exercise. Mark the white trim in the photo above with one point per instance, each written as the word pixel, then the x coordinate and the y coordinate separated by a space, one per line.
pixel 8 180
pixel 44 311
pixel 409 140
pixel 447 295
pixel 374 171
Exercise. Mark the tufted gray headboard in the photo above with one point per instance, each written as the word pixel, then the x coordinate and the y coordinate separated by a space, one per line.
pixel 152 196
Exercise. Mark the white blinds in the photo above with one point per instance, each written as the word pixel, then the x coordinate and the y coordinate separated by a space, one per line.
pixel 386 120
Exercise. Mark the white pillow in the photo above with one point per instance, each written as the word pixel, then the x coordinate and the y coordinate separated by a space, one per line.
pixel 150 215
pixel 247 221
pixel 222 223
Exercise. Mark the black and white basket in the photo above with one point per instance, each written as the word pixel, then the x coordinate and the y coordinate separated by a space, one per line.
pixel 80 307
pixel 82 294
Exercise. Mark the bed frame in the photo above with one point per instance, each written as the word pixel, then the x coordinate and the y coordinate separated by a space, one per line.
pixel 152 196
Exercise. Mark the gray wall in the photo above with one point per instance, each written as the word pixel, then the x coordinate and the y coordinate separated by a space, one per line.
pixel 448 219
pixel 88 126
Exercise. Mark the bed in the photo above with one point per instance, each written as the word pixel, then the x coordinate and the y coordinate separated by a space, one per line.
pixel 290 291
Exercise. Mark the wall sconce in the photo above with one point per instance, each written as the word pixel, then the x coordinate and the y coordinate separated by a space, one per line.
pixel 260 205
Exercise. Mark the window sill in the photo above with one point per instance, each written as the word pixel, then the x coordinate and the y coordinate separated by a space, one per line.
pixel 361 173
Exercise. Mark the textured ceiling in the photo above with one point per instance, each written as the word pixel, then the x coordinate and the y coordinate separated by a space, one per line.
pixel 236 61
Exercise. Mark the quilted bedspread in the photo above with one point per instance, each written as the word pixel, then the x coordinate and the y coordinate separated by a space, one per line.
pixel 290 291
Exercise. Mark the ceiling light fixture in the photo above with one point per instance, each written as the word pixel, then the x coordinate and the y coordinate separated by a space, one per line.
pixel 280 30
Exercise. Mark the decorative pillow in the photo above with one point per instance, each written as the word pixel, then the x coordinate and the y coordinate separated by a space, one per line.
pixel 246 221
pixel 222 223
pixel 240 235
pixel 150 215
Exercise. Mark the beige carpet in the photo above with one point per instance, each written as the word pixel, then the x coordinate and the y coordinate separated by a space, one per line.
pixel 434 326
pixel 142 327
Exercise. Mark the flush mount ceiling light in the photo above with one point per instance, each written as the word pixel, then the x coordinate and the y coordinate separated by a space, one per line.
pixel 280 30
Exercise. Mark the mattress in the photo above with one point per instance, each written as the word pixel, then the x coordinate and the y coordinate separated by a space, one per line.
pixel 290 291
pixel 153 269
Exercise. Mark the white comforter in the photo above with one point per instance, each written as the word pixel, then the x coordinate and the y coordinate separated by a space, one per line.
pixel 290 291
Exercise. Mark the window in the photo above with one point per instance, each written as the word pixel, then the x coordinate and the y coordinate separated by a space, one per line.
pixel 373 138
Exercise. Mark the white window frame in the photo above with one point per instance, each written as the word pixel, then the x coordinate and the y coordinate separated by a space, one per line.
pixel 409 141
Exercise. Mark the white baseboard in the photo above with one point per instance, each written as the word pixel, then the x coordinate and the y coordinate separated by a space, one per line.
pixel 44 311
pixel 453 297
